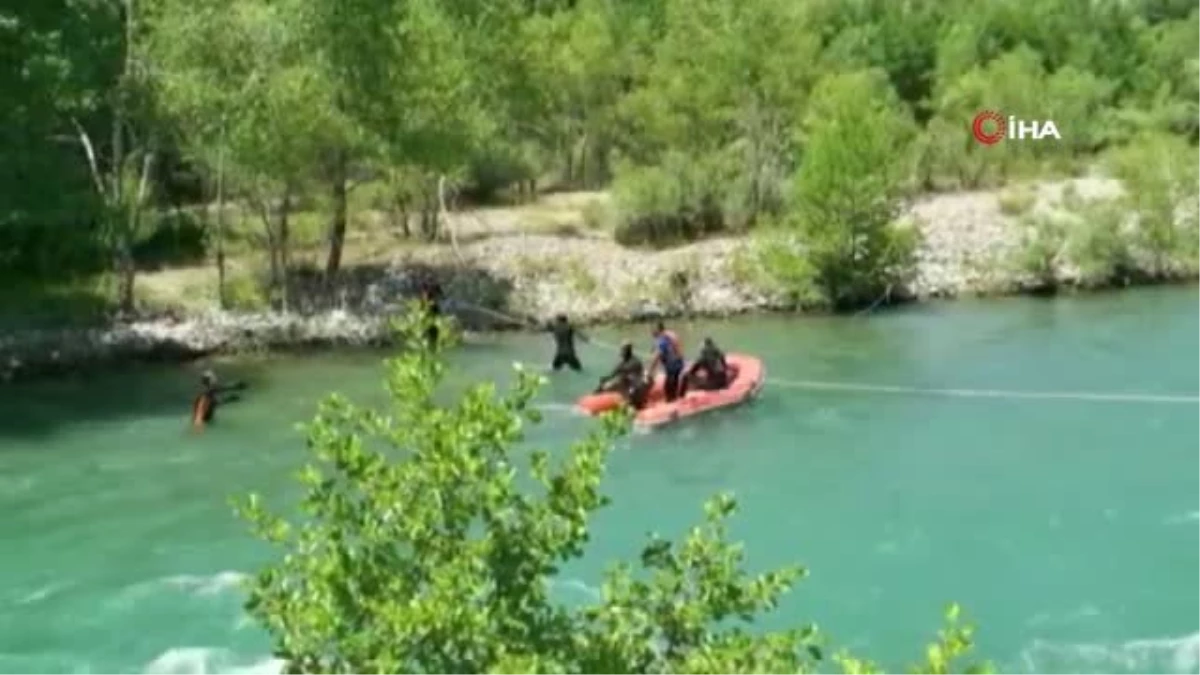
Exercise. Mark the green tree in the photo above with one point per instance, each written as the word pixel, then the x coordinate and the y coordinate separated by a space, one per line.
pixel 711 120
pixel 851 188
pixel 121 170
pixel 203 81
pixel 405 79
pixel 254 104
pixel 55 66
pixel 420 550
pixel 1162 183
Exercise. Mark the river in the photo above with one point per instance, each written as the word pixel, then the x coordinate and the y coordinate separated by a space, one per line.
pixel 1066 527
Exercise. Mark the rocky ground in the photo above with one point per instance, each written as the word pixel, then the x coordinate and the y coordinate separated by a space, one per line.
pixel 499 271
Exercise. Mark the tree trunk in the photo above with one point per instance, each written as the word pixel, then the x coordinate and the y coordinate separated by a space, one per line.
pixel 272 239
pixel 429 211
pixel 570 168
pixel 126 274
pixel 132 214
pixel 285 263
pixel 337 229
pixel 222 296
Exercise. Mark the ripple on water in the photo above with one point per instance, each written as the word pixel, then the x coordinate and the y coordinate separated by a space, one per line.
pixel 42 663
pixel 204 660
pixel 1184 518
pixel 196 585
pixel 1153 655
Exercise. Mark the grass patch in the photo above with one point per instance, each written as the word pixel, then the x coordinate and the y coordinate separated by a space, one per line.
pixel 37 303
pixel 1016 201
pixel 1043 242
pixel 531 267
pixel 579 277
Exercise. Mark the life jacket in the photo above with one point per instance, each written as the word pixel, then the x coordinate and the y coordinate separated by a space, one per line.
pixel 675 343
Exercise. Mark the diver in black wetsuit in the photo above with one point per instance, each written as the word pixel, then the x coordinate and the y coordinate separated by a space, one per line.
pixel 712 365
pixel 564 344
pixel 431 295
pixel 212 394
pixel 628 378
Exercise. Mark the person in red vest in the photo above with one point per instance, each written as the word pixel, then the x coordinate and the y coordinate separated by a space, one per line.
pixel 668 352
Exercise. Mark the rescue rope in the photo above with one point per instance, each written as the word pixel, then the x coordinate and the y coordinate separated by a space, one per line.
pixel 1099 397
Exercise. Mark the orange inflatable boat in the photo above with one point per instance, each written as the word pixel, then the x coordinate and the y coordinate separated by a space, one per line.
pixel 747 375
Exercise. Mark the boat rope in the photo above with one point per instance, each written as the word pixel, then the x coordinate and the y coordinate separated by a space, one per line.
pixel 1099 397
pixel 530 320
pixel 874 388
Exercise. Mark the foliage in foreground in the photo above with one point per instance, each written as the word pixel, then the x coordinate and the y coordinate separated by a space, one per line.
pixel 419 550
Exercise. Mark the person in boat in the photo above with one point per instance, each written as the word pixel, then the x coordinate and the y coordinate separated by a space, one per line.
pixel 710 370
pixel 564 344
pixel 668 353
pixel 212 395
pixel 628 378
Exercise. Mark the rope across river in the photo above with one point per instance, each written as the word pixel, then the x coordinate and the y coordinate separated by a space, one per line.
pixel 1099 397
pixel 878 388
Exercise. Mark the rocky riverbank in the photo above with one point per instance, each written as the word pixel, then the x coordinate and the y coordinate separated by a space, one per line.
pixel 967 243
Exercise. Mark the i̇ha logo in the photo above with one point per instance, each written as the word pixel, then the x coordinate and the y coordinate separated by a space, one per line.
pixel 990 127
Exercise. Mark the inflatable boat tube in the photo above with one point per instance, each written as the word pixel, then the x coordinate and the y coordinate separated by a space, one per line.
pixel 747 376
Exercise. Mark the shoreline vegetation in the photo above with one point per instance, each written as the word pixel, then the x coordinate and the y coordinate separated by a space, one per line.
pixel 184 177
pixel 191 177
pixel 533 263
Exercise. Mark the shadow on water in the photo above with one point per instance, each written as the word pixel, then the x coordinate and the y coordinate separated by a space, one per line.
pixel 989 344
pixel 45 406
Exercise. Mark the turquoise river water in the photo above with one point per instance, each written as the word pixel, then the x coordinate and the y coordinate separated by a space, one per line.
pixel 1065 526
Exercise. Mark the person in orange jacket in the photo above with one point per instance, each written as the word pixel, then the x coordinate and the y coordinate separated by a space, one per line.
pixel 212 395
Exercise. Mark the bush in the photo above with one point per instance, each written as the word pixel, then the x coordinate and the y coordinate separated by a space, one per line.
pixel 598 215
pixel 418 551
pixel 493 169
pixel 1162 184
pixel 1043 241
pixel 246 293
pixel 676 202
pixel 579 276
pixel 776 263
pixel 1016 202
pixel 851 188
pixel 179 238
pixel 1099 244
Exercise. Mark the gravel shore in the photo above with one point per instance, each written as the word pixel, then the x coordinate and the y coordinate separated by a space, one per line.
pixel 966 239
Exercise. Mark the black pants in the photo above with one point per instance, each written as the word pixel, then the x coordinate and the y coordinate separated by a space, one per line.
pixel 637 393
pixel 568 359
pixel 711 381
pixel 671 381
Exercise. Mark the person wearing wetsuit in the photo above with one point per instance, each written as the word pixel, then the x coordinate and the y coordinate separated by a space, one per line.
pixel 628 378
pixel 212 394
pixel 668 353
pixel 712 364
pixel 431 295
pixel 564 344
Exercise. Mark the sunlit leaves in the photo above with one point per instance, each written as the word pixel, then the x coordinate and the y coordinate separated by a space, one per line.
pixel 427 543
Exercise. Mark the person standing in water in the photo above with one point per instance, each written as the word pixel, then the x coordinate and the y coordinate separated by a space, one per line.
pixel 431 296
pixel 668 352
pixel 564 344
pixel 212 394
